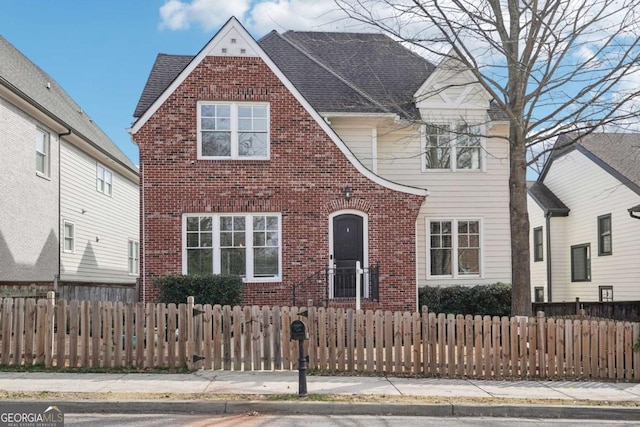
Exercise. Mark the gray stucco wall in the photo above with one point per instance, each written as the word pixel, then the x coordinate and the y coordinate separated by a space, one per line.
pixel 28 201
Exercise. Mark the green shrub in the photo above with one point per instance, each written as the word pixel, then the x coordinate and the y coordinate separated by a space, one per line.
pixel 492 300
pixel 209 289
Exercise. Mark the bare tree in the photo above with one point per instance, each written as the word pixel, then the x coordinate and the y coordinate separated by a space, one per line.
pixel 553 67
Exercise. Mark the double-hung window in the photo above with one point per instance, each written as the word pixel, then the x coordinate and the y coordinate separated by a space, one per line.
pixel 104 178
pixel 538 247
pixel 604 235
pixel 42 153
pixel 233 130
pixel 452 147
pixel 133 257
pixel 248 245
pixel 69 237
pixel 454 248
pixel 581 263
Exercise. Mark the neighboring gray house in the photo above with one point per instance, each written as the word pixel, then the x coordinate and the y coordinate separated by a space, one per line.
pixel 583 210
pixel 70 214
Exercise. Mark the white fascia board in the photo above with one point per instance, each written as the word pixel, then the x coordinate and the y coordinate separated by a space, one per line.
pixel 233 23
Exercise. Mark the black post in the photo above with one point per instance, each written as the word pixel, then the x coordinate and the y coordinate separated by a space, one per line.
pixel 302 370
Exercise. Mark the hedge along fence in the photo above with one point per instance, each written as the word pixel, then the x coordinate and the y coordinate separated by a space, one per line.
pixel 96 334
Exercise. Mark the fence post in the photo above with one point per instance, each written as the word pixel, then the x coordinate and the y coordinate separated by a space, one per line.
pixel 359 272
pixel 542 344
pixel 577 306
pixel 190 334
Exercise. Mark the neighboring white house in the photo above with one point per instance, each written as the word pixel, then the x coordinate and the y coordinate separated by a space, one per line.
pixel 585 233
pixel 69 213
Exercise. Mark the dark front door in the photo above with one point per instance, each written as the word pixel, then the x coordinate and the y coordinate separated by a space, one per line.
pixel 347 249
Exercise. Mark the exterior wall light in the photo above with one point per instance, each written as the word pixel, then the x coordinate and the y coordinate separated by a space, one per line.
pixel 347 193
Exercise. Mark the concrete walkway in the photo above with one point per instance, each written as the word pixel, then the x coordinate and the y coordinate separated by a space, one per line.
pixel 163 393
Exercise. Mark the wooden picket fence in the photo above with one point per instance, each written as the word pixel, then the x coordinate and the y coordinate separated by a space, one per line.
pixel 60 333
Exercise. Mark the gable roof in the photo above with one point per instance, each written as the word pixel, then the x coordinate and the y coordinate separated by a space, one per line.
pixel 616 153
pixel 29 82
pixel 549 202
pixel 230 31
pixel 335 72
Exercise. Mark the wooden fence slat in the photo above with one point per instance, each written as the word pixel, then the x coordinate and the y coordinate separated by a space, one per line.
pixel 162 335
pixel 611 348
pixel 191 349
pixel 541 344
pixel 379 327
pixel 227 328
pixel 533 347
pixel 477 339
pixel 469 342
pixel 442 344
pixel 551 348
pixel 619 350
pixel 628 351
pixel 29 330
pixel 586 348
pixel 217 336
pixel 7 328
pixel 636 354
pixel 198 334
pixel 496 347
pixel 18 335
pixel 48 332
pixel 486 346
pixel 207 331
pixel 602 349
pixel 173 334
pixel 312 342
pixel 321 362
pixel 388 341
pixel 406 341
pixel 416 344
pixel 523 348
pixel 397 341
pixel 506 346
pixel 369 335
pixel 593 351
pixel 256 333
pixel 237 337
pixel 286 340
pixel 433 348
pixel 268 335
pixel 183 334
pixel 451 344
pixel 61 333
pixel 107 334
pixel 560 348
pixel 117 332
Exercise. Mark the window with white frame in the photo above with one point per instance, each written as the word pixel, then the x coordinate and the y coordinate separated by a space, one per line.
pixel 134 257
pixel 247 245
pixel 104 178
pixel 233 130
pixel 42 152
pixel 69 237
pixel 452 147
pixel 454 248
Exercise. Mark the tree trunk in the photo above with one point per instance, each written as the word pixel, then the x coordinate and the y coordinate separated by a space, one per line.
pixel 519 220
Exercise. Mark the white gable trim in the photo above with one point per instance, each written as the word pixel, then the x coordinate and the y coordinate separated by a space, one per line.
pixel 234 24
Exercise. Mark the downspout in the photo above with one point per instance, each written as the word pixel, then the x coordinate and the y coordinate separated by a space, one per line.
pixel 547 216
pixel 56 279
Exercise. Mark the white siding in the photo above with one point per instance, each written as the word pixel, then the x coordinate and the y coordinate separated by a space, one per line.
pixel 29 203
pixel 482 195
pixel 538 268
pixel 589 191
pixel 360 135
pixel 103 224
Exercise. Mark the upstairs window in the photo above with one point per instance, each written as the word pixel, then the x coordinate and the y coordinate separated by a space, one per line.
pixel 133 257
pixel 452 147
pixel 104 179
pixel 604 235
pixel 69 237
pixel 538 248
pixel 581 263
pixel 42 153
pixel 233 131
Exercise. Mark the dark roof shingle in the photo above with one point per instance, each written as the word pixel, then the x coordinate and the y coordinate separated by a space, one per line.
pixel 548 201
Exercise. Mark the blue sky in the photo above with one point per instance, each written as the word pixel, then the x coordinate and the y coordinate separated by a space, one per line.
pixel 101 52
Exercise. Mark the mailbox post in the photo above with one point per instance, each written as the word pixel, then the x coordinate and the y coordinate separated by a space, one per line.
pixel 299 333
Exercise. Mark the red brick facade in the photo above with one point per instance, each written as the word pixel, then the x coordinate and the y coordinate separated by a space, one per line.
pixel 303 181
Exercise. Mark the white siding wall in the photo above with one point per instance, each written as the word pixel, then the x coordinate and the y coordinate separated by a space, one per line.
pixel 589 192
pixel 482 195
pixel 538 268
pixel 360 135
pixel 28 202
pixel 105 227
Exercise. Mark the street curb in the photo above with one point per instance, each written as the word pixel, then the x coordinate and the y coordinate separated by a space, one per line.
pixel 340 408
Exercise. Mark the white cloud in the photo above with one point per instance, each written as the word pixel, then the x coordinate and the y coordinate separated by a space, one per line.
pixel 208 14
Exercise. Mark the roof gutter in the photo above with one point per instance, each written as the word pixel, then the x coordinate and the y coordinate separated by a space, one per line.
pixel 62 123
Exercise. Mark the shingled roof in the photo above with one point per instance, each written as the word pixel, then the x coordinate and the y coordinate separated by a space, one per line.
pixel 335 72
pixel 27 79
pixel 545 198
pixel 617 153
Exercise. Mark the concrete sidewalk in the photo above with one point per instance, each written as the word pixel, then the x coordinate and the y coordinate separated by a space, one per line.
pixel 196 392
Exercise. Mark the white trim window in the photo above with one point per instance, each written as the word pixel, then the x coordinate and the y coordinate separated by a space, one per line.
pixel 248 245
pixel 452 147
pixel 69 237
pixel 133 257
pixel 104 179
pixel 42 153
pixel 459 237
pixel 233 130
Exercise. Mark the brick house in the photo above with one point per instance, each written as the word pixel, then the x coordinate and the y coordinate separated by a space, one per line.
pixel 282 161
